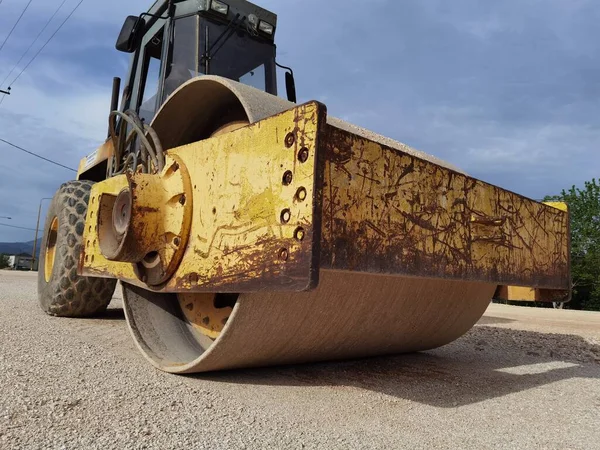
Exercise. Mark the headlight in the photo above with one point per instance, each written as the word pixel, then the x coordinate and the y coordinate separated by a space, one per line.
pixel 220 7
pixel 266 27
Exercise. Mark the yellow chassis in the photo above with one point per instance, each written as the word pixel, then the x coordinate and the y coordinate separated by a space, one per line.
pixel 266 206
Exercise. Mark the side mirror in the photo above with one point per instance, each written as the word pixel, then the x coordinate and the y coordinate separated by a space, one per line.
pixel 290 86
pixel 131 34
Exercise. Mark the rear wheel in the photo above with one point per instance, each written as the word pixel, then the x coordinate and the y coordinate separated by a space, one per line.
pixel 61 291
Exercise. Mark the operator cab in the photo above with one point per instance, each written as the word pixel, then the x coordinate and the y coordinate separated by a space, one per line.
pixel 179 40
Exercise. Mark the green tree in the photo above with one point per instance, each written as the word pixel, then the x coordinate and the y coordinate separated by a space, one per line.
pixel 584 209
pixel 3 261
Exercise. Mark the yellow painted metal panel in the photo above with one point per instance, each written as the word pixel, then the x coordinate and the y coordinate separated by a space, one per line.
pixel 558 205
pixel 386 211
pixel 99 155
pixel 520 293
pixel 253 191
pixel 526 294
pixel 91 261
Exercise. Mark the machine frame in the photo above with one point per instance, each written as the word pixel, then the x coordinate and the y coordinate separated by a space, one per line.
pixel 440 223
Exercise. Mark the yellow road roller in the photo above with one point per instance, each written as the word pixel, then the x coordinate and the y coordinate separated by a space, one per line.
pixel 248 230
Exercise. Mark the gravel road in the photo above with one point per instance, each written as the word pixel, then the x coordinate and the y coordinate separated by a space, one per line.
pixel 522 378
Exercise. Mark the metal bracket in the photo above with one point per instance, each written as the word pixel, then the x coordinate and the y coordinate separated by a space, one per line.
pixel 256 223
pixel 256 216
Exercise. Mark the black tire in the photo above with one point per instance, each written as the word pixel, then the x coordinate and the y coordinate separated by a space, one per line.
pixel 61 291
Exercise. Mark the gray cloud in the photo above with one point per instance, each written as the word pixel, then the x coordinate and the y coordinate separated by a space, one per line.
pixel 507 90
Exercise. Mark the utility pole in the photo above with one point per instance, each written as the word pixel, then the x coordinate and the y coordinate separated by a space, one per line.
pixel 36 232
pixel 7 92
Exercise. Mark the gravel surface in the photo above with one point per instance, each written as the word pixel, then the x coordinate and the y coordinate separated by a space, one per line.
pixel 514 381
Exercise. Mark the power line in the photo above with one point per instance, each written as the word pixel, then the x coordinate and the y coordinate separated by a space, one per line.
pixel 15 25
pixel 36 155
pixel 47 42
pixel 33 43
pixel 3 97
pixel 20 228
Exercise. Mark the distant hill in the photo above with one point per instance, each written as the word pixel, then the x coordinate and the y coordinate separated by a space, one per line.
pixel 14 248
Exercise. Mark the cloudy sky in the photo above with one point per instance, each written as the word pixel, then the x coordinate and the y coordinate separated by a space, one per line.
pixel 509 91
